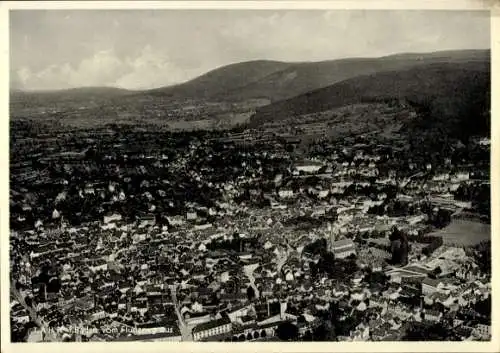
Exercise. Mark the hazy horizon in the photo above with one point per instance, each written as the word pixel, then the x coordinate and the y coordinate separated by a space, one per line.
pixel 144 49
pixel 235 63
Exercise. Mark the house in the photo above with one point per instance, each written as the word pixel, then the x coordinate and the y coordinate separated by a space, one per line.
pixel 391 294
pixel 460 176
pixel 433 315
pixel 358 295
pixel 323 193
pixel 203 226
pixel 99 264
pixel 266 288
pixel 308 167
pixel 245 255
pixel 112 218
pixel 212 328
pixel 147 220
pixel 441 177
pixel 202 248
pixel 430 286
pixel 247 321
pixel 285 193
pixel 450 301
pixel 361 306
pixel 482 330
pixel 415 272
pixel 357 278
pixel 237 312
pixel 97 315
pixel 237 297
pixel 196 318
pixel 467 273
pixel 56 214
pixel 176 220
pixel 22 318
pixel 377 265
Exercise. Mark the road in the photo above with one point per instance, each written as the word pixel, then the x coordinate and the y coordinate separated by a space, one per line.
pixel 185 330
pixel 282 258
pixel 50 335
pixel 249 273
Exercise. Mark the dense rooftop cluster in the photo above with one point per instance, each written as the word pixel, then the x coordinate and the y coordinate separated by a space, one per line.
pixel 135 234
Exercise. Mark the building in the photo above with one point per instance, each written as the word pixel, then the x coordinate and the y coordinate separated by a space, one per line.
pixel 342 248
pixel 112 218
pixel 176 220
pixel 413 273
pixel 430 286
pixel 285 193
pixel 147 220
pixel 482 330
pixel 308 166
pixel 433 315
pixel 212 328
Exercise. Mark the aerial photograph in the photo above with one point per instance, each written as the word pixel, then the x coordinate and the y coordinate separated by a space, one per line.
pixel 239 175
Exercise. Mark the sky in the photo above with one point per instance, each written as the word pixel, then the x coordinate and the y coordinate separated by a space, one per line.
pixel 141 49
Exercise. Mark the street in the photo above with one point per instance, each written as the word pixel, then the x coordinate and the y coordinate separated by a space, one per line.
pixel 49 334
pixel 185 330
pixel 249 273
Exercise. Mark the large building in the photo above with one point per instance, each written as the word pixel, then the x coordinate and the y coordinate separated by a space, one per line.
pixel 342 248
pixel 212 328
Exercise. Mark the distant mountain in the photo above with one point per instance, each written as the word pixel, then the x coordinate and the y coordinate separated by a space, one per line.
pixel 271 80
pixel 452 94
pixel 219 81
pixel 446 84
pixel 304 77
pixel 275 80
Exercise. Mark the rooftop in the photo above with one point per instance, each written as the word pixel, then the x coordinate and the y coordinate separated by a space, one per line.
pixel 211 324
pixel 342 243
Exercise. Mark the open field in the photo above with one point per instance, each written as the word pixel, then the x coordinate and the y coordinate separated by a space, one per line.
pixel 464 233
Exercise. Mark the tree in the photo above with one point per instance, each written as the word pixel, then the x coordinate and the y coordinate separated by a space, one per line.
pixel 317 247
pixel 377 279
pixel 250 293
pixel 436 272
pixel 287 331
pixel 308 336
pixel 482 256
pixel 483 307
pixel 324 332
pixel 443 218
pixel 425 332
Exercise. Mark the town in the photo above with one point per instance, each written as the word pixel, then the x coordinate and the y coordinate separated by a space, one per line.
pixel 137 233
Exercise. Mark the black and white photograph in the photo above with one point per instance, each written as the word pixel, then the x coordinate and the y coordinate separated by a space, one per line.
pixel 249 175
